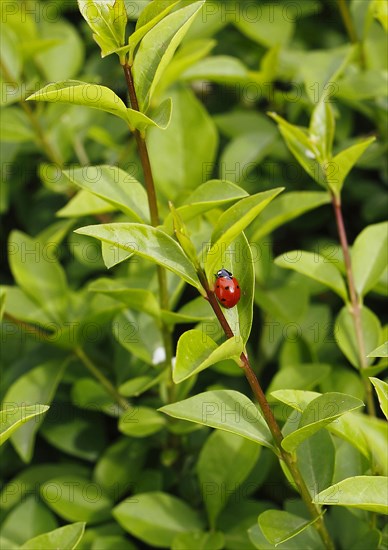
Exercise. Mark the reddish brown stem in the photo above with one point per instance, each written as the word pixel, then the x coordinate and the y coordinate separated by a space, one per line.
pixel 354 299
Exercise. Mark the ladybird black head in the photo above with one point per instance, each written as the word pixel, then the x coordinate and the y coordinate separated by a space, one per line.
pixel 224 273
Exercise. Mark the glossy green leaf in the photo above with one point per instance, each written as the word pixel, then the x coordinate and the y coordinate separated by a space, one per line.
pixel 226 410
pixel 316 267
pixel 149 17
pixel 381 388
pixel 369 257
pixel 156 518
pixel 140 335
pixel 232 223
pixel 196 351
pixel 14 416
pixel 28 519
pixel 108 20
pixel 141 422
pixel 76 498
pixel 190 123
pixel 217 472
pixel 345 334
pixel 36 386
pixel 300 145
pixel 381 351
pixel 114 186
pixel 316 460
pixel 363 492
pixel 286 208
pixel 321 411
pixel 118 469
pixel 199 540
pixel 322 128
pixel 299 377
pixel 28 481
pixel 307 539
pixel 85 204
pixel 209 195
pixel 38 273
pixel 66 538
pixel 82 436
pixel 134 298
pixel 157 48
pixel 340 165
pixel 147 242
pixel 81 93
pixel 279 526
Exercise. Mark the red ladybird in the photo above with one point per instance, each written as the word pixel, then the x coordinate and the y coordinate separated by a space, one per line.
pixel 227 288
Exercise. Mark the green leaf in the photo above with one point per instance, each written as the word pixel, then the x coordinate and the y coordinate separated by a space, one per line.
pixel 199 540
pixel 300 145
pixel 299 377
pixel 226 410
pixel 209 195
pixel 218 68
pixel 147 242
pixel 316 458
pixel 157 49
pixel 279 526
pixel 345 334
pixel 39 274
pixel 156 518
pixel 76 498
pixel 15 126
pixel 268 25
pixel 134 298
pixel 381 351
pixel 316 267
pixel 183 236
pixel 13 417
pixel 149 17
pixel 108 21
pixel 114 186
pixel 363 492
pixel 10 54
pixel 196 351
pixel 307 539
pixel 382 393
pixel 81 93
pixel 340 165
pixel 141 422
pixel 27 520
pixel 119 468
pixel 321 411
pixel 232 223
pixel 244 152
pixel 369 256
pixel 320 70
pixel 218 476
pixel 85 204
pixel 36 386
pixel 322 129
pixel 66 538
pixel 28 481
pixel 193 165
pixel 286 208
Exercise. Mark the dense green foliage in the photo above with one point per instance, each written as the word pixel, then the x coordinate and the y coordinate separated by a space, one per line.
pixel 126 419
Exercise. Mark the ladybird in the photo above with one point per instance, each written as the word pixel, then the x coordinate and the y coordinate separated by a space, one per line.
pixel 227 288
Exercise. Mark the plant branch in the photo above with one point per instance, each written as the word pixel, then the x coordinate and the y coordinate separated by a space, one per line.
pixel 155 221
pixel 273 426
pixel 354 299
pixel 351 29
pixel 109 387
pixel 43 335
